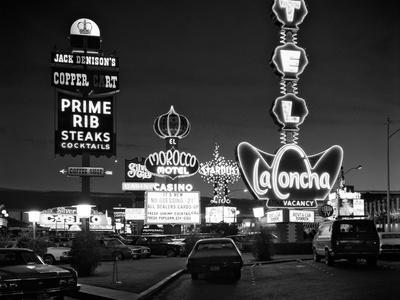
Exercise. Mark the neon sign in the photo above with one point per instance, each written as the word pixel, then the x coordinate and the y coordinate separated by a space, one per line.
pixel 290 13
pixel 290 60
pixel 219 172
pixel 289 178
pixel 173 187
pixel 290 111
pixel 135 171
pixel 85 125
pixel 172 163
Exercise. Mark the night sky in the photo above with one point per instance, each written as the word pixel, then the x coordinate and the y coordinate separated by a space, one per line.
pixel 210 59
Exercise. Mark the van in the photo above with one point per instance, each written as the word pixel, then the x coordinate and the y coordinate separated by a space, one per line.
pixel 346 239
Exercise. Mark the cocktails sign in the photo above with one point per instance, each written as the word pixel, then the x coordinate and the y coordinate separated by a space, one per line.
pixel 289 178
pixel 84 125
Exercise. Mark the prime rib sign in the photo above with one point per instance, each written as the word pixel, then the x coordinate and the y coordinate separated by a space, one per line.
pixel 289 178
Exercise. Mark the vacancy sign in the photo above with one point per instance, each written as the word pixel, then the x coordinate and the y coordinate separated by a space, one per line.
pixel 172 208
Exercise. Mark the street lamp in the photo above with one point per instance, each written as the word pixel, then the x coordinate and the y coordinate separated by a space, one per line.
pixel 342 173
pixel 388 136
pixel 34 217
pixel 84 212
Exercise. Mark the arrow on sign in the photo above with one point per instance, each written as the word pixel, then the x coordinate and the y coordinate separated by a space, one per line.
pixel 63 171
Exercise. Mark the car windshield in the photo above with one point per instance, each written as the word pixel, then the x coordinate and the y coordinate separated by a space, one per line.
pixel 356 227
pixel 214 246
pixel 13 258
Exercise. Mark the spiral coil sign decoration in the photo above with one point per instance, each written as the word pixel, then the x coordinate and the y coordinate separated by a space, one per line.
pixel 289 178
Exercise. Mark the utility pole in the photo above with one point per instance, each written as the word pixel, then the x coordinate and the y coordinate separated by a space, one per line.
pixel 388 136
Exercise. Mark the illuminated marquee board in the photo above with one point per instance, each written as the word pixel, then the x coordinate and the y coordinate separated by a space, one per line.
pixel 172 163
pixel 218 214
pixel 289 178
pixel 172 208
pixel 84 125
pixel 274 216
pixel 301 216
pixel 134 214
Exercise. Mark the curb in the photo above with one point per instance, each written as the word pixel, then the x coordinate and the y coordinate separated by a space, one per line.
pixel 159 285
pixel 277 261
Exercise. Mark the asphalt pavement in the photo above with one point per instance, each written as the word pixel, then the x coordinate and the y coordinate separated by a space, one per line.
pixel 301 279
pixel 141 279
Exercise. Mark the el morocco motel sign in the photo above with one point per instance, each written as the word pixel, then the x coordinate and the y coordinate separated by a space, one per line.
pixel 289 178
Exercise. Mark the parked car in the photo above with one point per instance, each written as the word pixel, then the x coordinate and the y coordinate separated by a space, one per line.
pixel 138 251
pixel 56 254
pixel 346 238
pixel 113 248
pixel 389 243
pixel 215 255
pixel 23 274
pixel 161 245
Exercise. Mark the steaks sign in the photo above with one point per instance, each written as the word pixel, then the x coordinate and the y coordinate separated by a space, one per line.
pixel 289 178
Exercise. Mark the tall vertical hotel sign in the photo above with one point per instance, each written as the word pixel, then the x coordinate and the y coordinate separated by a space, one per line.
pixel 171 202
pixel 86 82
pixel 289 178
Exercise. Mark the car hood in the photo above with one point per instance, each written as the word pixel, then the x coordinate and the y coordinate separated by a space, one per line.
pixel 27 271
pixel 58 249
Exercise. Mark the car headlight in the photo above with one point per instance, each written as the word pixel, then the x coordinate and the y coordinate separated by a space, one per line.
pixel 10 285
pixel 63 282
pixel 71 281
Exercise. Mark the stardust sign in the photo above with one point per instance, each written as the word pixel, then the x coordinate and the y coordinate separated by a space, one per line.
pixel 172 163
pixel 84 125
pixel 289 178
pixel 172 208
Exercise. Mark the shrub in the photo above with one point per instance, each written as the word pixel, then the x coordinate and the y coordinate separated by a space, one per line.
pixel 262 247
pixel 85 254
pixel 39 246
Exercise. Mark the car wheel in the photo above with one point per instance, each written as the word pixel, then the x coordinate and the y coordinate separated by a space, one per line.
pixel 371 261
pixel 49 259
pixel 170 253
pixel 117 256
pixel 237 274
pixel 328 258
pixel 194 276
pixel 316 257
